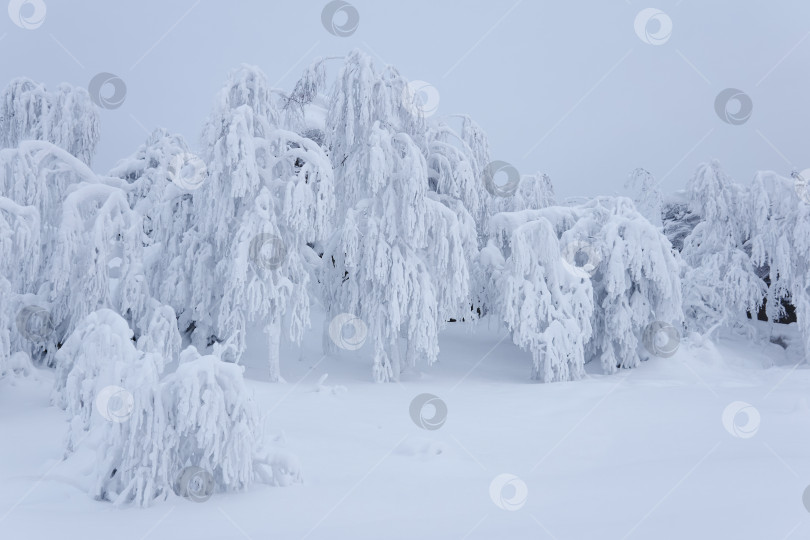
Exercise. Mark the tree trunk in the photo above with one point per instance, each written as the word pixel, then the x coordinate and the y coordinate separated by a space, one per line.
pixel 396 360
pixel 273 330
pixel 327 344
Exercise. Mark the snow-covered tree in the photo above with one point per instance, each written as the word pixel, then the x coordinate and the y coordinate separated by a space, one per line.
pixel 306 92
pixel 780 228
pixel 360 99
pixel 39 174
pixel 19 264
pixel 98 231
pixel 546 307
pixel 410 210
pixel 268 189
pixel 457 162
pixel 627 264
pixel 678 220
pixel 42 177
pixel 454 168
pixel 66 117
pixel 163 198
pixel 84 253
pixel 19 245
pixel 533 191
pixel 647 195
pixel 721 283
pixel 635 279
pixel 398 261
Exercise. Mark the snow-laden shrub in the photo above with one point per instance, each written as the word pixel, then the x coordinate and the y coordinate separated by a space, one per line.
pixel 201 416
pixel 132 437
pixel 199 421
pixel 96 355
pixel 146 431
pixel 213 419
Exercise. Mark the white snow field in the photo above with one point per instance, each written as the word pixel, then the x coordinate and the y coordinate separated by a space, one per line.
pixel 645 453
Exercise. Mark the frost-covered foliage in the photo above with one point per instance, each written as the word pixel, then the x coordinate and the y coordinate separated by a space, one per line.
pixel 747 251
pixel 361 98
pixel 629 268
pixel 306 92
pixel 533 191
pixel 406 217
pixel 98 258
pixel 94 356
pixel 455 167
pixel 401 252
pixel 546 306
pixel 146 429
pixel 19 244
pixel 133 459
pixel 647 197
pixel 678 220
pixel 635 278
pixel 268 199
pixel 213 419
pixel 780 244
pixel 165 207
pixel 39 174
pixel 66 117
pixel 721 283
pixel 79 219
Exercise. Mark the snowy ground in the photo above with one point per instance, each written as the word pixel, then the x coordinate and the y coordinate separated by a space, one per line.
pixel 640 454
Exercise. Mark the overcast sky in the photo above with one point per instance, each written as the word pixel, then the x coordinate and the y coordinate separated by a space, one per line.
pixel 574 89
